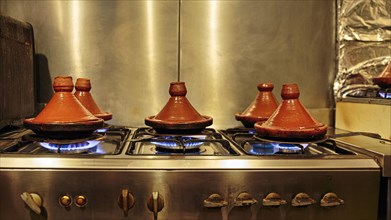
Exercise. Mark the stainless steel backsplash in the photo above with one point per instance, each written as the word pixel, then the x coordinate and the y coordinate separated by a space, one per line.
pixel 129 51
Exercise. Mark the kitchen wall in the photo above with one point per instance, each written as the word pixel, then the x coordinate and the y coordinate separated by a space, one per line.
pixel 129 49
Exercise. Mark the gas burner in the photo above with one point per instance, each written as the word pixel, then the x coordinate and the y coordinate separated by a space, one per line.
pixel 105 141
pixel 177 142
pixel 262 149
pixel 207 143
pixel 266 148
pixel 243 130
pixel 184 151
pixel 290 148
pixel 72 148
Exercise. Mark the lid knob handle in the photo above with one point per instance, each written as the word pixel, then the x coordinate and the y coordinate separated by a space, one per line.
pixel 178 89
pixel 63 84
pixel 265 87
pixel 83 84
pixel 290 91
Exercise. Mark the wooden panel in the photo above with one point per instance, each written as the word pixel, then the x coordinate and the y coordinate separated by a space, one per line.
pixel 16 70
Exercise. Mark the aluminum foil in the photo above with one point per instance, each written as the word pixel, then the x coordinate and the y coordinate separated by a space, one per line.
pixel 364 39
pixel 365 20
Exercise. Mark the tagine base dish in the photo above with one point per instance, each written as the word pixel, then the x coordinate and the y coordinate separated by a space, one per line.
pixel 249 121
pixel 173 127
pixel 35 137
pixel 104 115
pixel 71 130
pixel 383 82
pixel 291 140
pixel 296 135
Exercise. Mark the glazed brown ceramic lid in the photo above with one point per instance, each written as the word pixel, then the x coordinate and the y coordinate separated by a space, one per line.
pixel 384 78
pixel 178 115
pixel 261 108
pixel 291 120
pixel 83 87
pixel 64 116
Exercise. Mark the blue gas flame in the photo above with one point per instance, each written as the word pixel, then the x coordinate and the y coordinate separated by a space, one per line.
pixel 73 147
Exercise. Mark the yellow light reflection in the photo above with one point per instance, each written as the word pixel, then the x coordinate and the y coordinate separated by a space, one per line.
pixel 75 37
pixel 213 37
pixel 60 16
pixel 212 104
pixel 46 162
pixel 151 52
pixel 235 164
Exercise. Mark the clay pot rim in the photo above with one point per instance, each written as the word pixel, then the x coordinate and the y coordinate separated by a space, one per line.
pixel 104 115
pixel 185 125
pixel 252 119
pixel 95 121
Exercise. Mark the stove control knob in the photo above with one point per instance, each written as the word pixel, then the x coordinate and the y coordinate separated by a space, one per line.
pixel 273 199
pixel 302 199
pixel 126 201
pixel 330 200
pixel 155 203
pixel 33 201
pixel 215 201
pixel 80 201
pixel 65 201
pixel 244 199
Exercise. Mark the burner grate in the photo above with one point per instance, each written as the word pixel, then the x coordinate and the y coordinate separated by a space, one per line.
pixel 102 142
pixel 247 141
pixel 208 142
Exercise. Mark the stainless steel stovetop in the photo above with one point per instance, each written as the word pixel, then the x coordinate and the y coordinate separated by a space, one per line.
pixel 134 173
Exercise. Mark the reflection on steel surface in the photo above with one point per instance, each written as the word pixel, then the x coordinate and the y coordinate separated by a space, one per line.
pixel 129 50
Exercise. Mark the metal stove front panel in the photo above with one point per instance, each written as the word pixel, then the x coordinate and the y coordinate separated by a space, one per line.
pixel 184 192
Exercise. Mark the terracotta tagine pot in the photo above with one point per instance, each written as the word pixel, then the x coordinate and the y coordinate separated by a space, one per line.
pixel 83 87
pixel 384 78
pixel 261 108
pixel 64 117
pixel 178 115
pixel 291 121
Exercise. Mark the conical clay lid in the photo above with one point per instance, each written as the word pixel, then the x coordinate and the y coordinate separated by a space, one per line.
pixel 64 116
pixel 83 87
pixel 178 115
pixel 291 120
pixel 384 78
pixel 261 108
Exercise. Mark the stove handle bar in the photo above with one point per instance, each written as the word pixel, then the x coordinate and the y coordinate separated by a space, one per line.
pixel 273 199
pixel 215 201
pixel 302 200
pixel 244 199
pixel 331 200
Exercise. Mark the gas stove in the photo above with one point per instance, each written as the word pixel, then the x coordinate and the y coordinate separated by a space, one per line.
pixel 125 172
